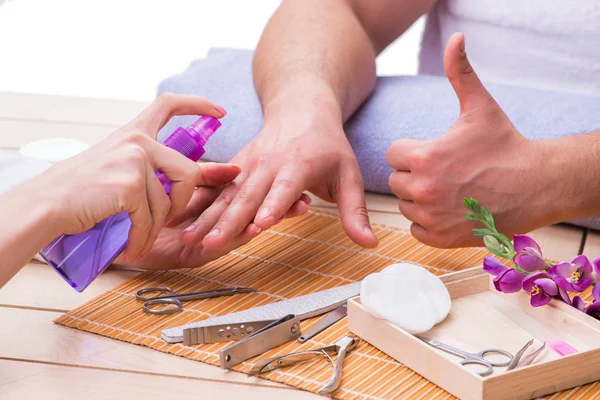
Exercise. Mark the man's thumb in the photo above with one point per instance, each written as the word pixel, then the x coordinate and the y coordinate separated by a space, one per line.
pixel 462 77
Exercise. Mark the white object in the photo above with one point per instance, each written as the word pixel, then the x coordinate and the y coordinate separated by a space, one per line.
pixel 407 295
pixel 550 45
pixel 15 170
pixel 53 150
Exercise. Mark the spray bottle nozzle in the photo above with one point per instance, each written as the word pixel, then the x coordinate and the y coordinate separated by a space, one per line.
pixel 205 126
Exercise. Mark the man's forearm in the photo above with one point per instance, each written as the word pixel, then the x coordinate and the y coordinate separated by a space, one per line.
pixel 571 170
pixel 315 51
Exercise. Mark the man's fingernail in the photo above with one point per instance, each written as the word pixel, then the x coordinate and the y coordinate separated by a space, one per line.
pixel 256 230
pixel 263 213
pixel 368 230
pixel 220 109
pixel 214 232
pixel 190 228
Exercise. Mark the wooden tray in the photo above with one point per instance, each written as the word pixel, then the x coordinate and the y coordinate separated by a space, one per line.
pixel 483 318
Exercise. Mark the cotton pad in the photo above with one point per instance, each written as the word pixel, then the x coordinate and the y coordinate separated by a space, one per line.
pixel 15 170
pixel 53 150
pixel 407 295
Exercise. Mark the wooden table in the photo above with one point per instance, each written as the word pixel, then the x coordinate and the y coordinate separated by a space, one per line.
pixel 41 359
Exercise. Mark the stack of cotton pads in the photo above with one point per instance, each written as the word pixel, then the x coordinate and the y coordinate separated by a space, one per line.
pixel 407 295
pixel 35 158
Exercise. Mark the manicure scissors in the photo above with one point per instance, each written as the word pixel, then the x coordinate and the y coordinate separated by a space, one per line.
pixel 174 299
pixel 341 348
pixel 473 358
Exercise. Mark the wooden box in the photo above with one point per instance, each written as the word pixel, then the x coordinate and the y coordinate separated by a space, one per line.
pixel 482 318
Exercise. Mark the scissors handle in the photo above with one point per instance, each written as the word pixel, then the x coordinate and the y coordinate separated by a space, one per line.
pixel 169 310
pixel 139 295
pixel 482 354
pixel 477 361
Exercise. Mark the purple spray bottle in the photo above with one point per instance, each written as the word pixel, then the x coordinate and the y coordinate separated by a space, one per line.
pixel 80 258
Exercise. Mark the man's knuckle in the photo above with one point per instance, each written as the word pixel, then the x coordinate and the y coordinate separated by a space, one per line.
pixel 360 211
pixel 284 183
pixel 420 158
pixel 244 197
pixel 224 199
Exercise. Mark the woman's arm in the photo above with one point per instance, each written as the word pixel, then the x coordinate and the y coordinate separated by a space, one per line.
pixel 118 174
pixel 28 222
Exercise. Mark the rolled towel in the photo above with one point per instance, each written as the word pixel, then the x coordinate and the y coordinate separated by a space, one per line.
pixel 417 107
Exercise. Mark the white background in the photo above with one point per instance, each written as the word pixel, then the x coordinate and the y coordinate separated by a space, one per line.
pixel 122 49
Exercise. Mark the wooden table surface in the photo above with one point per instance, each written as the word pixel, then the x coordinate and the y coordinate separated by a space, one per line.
pixel 41 359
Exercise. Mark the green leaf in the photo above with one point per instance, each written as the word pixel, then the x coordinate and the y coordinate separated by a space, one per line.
pixel 473 217
pixel 487 216
pixel 481 232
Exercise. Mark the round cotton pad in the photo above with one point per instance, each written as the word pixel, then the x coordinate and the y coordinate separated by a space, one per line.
pixel 407 295
pixel 53 150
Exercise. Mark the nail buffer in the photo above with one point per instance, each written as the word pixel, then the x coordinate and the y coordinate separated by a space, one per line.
pixel 303 307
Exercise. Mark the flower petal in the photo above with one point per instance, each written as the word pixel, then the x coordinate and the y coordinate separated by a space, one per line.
pixel 493 266
pixel 540 299
pixel 522 241
pixel 582 261
pixel 547 285
pixel 563 269
pixel 596 292
pixel 578 303
pixel 583 284
pixel 529 280
pixel 563 283
pixel 597 266
pixel 594 310
pixel 511 281
pixel 530 262
pixel 564 295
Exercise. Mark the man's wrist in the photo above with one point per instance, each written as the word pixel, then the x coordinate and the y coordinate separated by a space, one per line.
pixel 571 164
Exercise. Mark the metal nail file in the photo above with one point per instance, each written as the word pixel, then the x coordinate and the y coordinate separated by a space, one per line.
pixel 326 322
pixel 303 307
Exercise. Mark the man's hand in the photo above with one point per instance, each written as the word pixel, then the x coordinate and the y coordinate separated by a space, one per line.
pixel 290 155
pixel 482 156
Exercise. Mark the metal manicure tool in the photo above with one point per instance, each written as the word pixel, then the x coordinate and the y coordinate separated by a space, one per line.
pixel 259 329
pixel 341 347
pixel 473 358
pixel 516 361
pixel 174 299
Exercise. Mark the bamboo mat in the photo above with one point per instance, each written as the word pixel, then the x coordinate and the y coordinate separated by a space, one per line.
pixel 294 258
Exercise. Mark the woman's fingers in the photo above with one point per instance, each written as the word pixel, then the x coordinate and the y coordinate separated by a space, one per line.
pixel 141 223
pixel 159 205
pixel 185 175
pixel 167 105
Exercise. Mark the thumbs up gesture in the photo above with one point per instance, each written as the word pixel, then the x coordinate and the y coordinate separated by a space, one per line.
pixel 482 156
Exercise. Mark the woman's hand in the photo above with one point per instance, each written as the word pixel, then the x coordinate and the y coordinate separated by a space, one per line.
pixel 119 174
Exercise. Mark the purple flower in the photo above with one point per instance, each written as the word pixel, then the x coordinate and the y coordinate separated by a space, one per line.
pixel 493 266
pixel 542 288
pixel 509 281
pixel 593 310
pixel 528 254
pixel 596 272
pixel 575 276
pixel 578 303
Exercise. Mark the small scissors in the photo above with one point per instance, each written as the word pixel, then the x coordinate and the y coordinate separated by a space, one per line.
pixel 172 298
pixel 473 358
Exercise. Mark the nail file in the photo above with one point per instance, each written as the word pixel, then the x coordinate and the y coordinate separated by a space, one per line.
pixel 326 322
pixel 303 307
